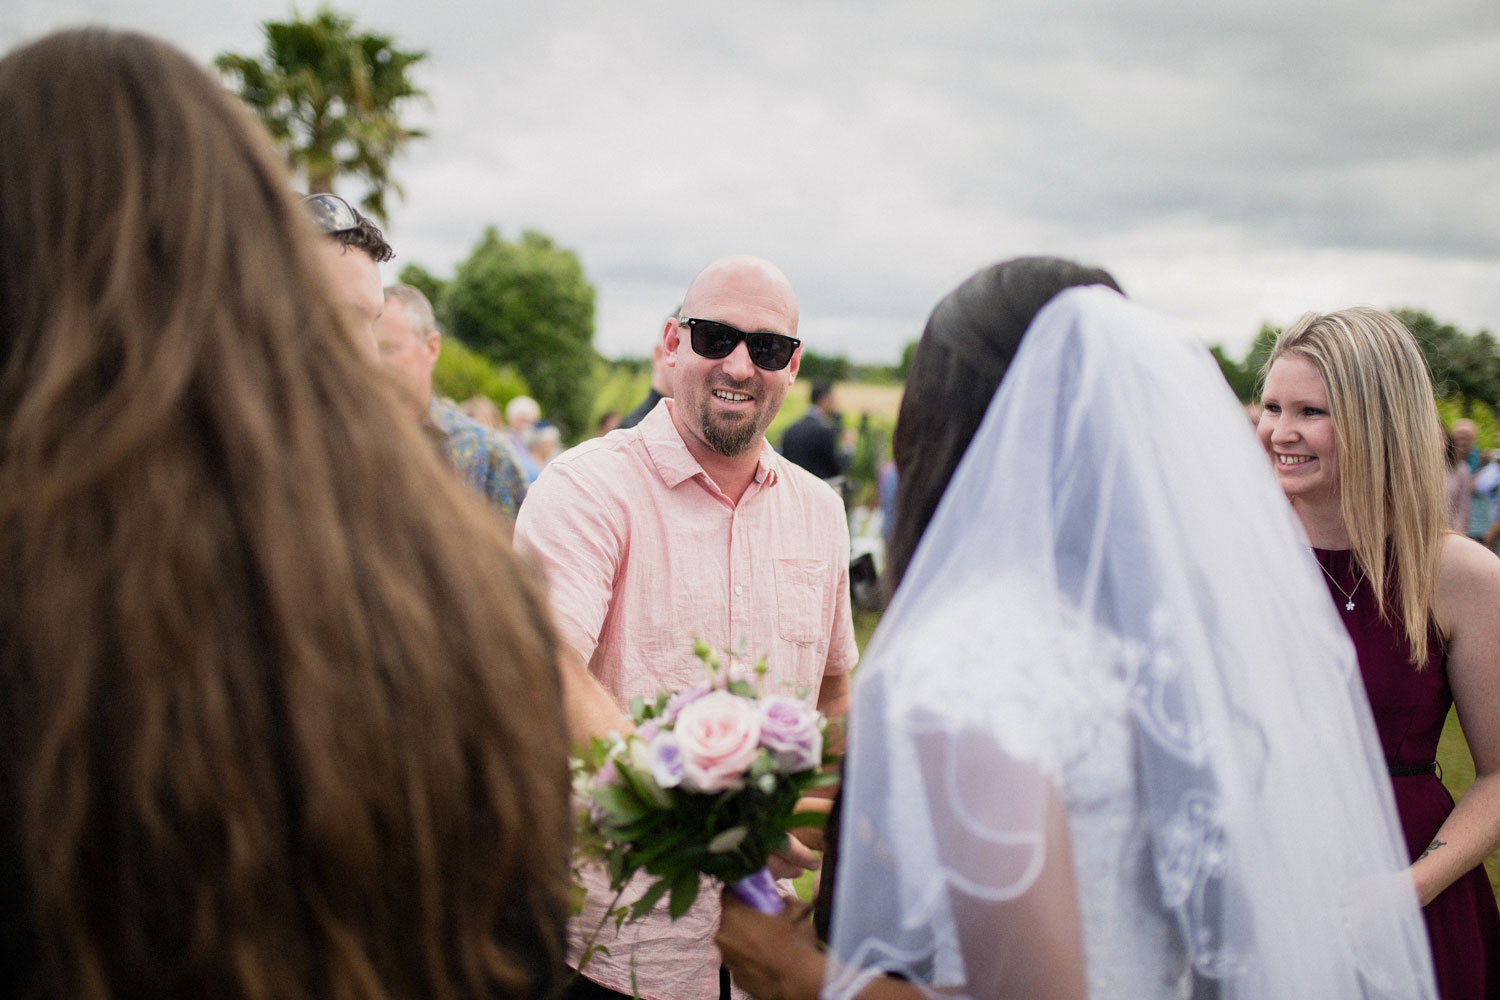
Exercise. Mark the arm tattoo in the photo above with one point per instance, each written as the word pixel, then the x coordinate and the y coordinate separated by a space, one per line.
pixel 1432 847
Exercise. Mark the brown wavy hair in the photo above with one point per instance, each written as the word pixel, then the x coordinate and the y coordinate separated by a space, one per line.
pixel 279 713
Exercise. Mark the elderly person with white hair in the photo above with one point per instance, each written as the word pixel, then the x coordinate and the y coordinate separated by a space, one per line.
pixel 521 415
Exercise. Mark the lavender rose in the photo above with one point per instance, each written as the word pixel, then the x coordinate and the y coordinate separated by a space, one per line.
pixel 789 731
pixel 665 757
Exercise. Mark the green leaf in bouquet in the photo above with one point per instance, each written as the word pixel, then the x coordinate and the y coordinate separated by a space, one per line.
pixel 685 855
pixel 684 892
pixel 762 765
pixel 661 847
pixel 810 821
pixel 815 779
pixel 653 895
pixel 728 840
pixel 645 786
pixel 621 804
pixel 741 688
pixel 638 709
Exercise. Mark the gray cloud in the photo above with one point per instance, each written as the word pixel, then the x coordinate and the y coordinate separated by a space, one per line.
pixel 1230 165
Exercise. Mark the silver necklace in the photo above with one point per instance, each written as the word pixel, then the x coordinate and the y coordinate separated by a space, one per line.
pixel 1348 594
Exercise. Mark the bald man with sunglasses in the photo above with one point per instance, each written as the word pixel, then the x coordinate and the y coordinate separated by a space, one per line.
pixel 691 526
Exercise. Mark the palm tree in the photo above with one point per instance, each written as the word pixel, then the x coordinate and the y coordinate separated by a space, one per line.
pixel 329 98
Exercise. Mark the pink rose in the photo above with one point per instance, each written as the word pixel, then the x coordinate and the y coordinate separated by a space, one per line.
pixel 718 736
pixel 789 730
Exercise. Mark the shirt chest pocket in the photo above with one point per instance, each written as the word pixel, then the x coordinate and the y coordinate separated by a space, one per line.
pixel 800 585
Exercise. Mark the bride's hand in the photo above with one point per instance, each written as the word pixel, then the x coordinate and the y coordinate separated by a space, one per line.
pixel 812 836
pixel 772 957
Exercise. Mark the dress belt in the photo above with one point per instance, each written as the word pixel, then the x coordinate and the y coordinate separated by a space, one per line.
pixel 1414 770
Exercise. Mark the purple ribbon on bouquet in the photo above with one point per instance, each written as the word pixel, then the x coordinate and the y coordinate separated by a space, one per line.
pixel 759 891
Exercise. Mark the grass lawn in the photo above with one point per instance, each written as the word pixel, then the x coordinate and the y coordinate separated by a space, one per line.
pixel 1458 775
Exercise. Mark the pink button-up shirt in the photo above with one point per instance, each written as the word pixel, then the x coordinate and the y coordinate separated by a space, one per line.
pixel 642 554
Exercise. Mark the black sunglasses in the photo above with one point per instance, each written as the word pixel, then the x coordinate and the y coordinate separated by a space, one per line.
pixel 711 339
pixel 331 214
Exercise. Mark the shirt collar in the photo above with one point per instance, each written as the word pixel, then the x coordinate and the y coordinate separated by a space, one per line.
pixel 676 465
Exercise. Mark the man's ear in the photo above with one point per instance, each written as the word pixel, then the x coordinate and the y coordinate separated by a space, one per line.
pixel 433 343
pixel 671 340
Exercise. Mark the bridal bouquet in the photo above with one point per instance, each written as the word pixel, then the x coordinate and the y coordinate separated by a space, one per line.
pixel 707 784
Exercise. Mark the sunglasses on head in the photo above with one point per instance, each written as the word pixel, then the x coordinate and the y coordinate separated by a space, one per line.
pixel 711 339
pixel 331 213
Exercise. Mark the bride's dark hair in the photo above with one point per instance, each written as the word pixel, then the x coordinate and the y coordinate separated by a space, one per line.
pixel 968 344
pixel 279 714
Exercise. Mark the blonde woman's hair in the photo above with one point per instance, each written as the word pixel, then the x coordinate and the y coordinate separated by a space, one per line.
pixel 1390 443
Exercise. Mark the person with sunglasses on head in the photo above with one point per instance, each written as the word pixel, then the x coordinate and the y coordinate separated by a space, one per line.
pixel 350 254
pixel 690 526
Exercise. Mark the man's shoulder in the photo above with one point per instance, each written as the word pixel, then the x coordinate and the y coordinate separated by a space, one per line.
pixel 804 483
pixel 603 459
pixel 808 422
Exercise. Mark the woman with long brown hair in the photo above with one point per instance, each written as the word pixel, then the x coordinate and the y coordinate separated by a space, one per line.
pixel 278 710
pixel 1352 429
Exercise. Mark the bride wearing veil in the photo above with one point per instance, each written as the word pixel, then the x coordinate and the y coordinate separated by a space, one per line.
pixel 1109 739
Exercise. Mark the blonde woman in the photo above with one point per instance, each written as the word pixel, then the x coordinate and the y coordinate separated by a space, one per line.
pixel 1351 428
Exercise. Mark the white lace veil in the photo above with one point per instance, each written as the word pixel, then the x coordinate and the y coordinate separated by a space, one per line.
pixel 1112 605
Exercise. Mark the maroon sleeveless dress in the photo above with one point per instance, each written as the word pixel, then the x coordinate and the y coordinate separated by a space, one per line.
pixel 1410 707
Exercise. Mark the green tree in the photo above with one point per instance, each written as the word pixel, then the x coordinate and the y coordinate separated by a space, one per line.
pixel 833 368
pixel 461 373
pixel 1463 365
pixel 903 368
pixel 527 304
pixel 1260 350
pixel 330 98
pixel 1239 379
pixel 424 281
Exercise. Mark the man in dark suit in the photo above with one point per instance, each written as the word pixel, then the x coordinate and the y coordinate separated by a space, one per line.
pixel 813 441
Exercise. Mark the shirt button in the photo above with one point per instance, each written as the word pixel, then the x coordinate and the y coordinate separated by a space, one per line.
pixel 738 590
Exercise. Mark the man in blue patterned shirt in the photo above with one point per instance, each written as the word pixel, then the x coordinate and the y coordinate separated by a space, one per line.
pixel 408 339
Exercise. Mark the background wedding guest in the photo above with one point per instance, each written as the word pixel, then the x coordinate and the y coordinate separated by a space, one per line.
pixel 1078 754
pixel 482 409
pixel 349 258
pixel 690 526
pixel 407 337
pixel 521 415
pixel 543 442
pixel 814 442
pixel 661 377
pixel 279 715
pixel 1458 485
pixel 1357 446
pixel 1487 492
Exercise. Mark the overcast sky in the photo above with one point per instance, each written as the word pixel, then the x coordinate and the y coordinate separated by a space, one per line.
pixel 1229 167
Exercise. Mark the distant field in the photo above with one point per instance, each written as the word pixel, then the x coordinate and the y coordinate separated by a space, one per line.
pixel 877 400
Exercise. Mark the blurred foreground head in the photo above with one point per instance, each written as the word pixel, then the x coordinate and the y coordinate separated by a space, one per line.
pixel 278 707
